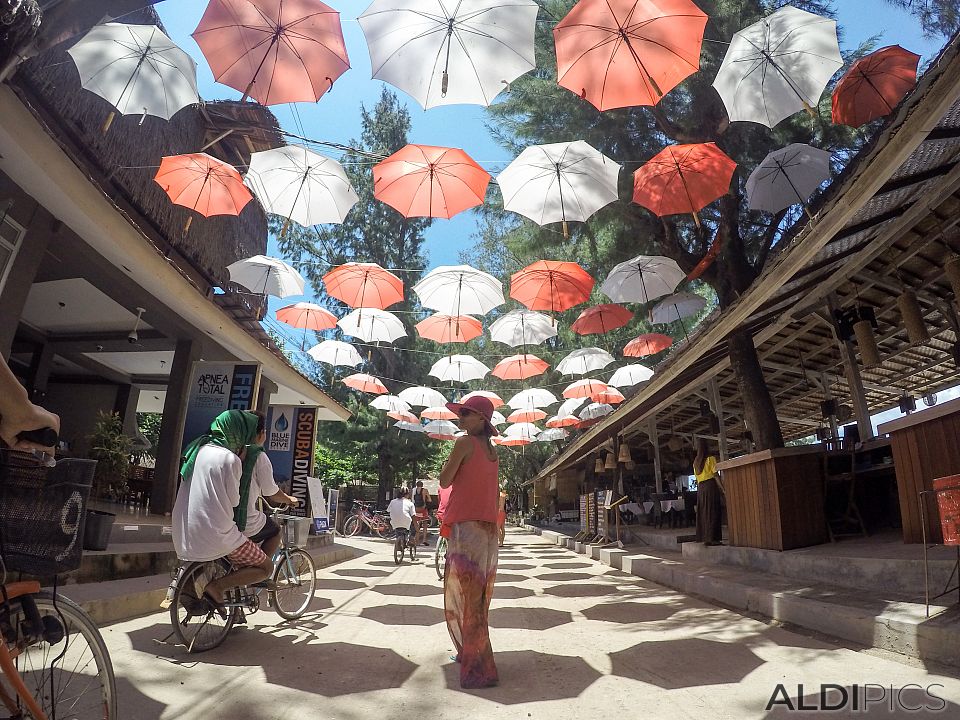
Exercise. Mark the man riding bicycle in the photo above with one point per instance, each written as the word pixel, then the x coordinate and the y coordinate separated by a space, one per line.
pixel 402 512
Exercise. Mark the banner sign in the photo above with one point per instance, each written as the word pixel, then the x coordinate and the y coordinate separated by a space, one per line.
pixel 321 521
pixel 215 387
pixel 290 438
pixel 333 499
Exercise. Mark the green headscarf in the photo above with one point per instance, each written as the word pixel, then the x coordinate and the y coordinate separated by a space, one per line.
pixel 249 461
pixel 231 429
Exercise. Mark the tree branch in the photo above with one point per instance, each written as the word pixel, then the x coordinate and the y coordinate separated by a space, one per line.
pixel 768 237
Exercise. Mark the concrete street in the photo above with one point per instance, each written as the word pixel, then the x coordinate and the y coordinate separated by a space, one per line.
pixel 573 639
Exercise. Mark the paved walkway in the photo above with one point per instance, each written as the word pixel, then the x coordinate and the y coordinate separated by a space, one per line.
pixel 573 639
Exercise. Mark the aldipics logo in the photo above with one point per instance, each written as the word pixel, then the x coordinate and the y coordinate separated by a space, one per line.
pixel 876 701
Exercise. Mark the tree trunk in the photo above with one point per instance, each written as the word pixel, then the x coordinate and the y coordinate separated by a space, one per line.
pixel 384 470
pixel 759 412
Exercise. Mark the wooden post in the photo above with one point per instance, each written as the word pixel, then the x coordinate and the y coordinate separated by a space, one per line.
pixel 655 439
pixel 852 371
pixel 717 404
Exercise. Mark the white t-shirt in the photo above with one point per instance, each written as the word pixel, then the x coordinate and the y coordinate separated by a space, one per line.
pixel 203 526
pixel 261 483
pixel 401 513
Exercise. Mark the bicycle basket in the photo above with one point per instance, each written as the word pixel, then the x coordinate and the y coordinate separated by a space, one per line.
pixel 296 529
pixel 42 513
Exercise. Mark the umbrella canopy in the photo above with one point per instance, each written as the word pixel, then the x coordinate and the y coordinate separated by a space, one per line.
pixel 335 352
pixel 874 85
pixel 682 179
pixel 307 316
pixel 584 360
pixel 778 66
pixel 372 325
pixel 584 388
pixel 364 285
pixel 202 183
pixel 444 53
pixel 642 279
pixel 267 276
pixel 532 398
pixel 403 416
pixel 428 181
pixel 459 289
pixel 458 368
pixel 449 328
pixel 365 383
pixel 299 184
pixel 390 403
pixel 491 396
pixel 137 69
pixel 439 412
pixel 275 51
pixel 786 177
pixel 559 182
pixel 441 429
pixel 649 344
pixel 529 415
pixel 676 307
pixel 601 319
pixel 610 396
pixel 595 410
pixel 522 430
pixel 570 406
pixel 512 441
pixel 409 426
pixel 551 285
pixel 519 367
pixel 552 435
pixel 562 421
pixel 420 396
pixel 522 327
pixel 620 53
pixel 630 375
pixel 497 418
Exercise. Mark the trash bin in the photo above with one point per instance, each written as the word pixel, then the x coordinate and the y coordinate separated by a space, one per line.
pixel 947 490
pixel 96 531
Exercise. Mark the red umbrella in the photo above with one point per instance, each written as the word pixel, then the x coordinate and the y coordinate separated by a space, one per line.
pixel 307 316
pixel 275 51
pixel 601 319
pixel 428 181
pixel 365 383
pixel 551 285
pixel 438 413
pixel 649 344
pixel 512 441
pixel 365 285
pixel 682 179
pixel 202 183
pixel 563 421
pixel 449 328
pixel 610 396
pixel 519 367
pixel 874 85
pixel 491 396
pixel 618 53
pixel 584 388
pixel 533 415
pixel 403 416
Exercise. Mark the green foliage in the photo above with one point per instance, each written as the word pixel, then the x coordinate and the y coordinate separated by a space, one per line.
pixel 149 426
pixel 111 449
pixel 937 17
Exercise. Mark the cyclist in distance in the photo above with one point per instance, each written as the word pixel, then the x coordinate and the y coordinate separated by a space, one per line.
pixel 18 414
pixel 421 496
pixel 402 512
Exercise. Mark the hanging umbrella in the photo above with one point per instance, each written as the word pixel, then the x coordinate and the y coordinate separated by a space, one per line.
pixel 552 435
pixel 365 383
pixel 409 426
pixel 403 416
pixel 630 375
pixel 562 421
pixel 202 183
pixel 683 179
pixel 420 396
pixel 372 325
pixel 450 53
pixel 532 398
pixel 266 276
pixel 390 403
pixel 458 368
pixel 301 185
pixel 584 360
pixel 551 285
pixel 496 418
pixel 137 69
pixel 491 396
pixel 307 316
pixel 335 352
pixel 676 307
pixel 449 328
pixel 459 289
pixel 601 319
pixel 364 285
pixel 620 53
pixel 559 182
pixel 441 429
pixel 275 51
pixel 512 441
pixel 642 279
pixel 778 66
pixel 570 406
pixel 649 344
pixel 529 415
pixel 786 177
pixel 874 85
pixel 595 410
pixel 439 412
pixel 428 181
pixel 610 396
pixel 584 388
pixel 522 327
pixel 522 430
pixel 519 367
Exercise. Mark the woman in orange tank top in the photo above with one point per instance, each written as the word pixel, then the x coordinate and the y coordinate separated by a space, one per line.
pixel 471 564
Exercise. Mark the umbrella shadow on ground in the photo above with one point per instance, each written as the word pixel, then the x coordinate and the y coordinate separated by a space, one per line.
pixel 583 590
pixel 629 612
pixel 508 578
pixel 408 590
pixel 567 565
pixel 520 618
pixel 404 614
pixel 361 572
pixel 515 566
pixel 338 584
pixel 131 702
pixel 530 676
pixel 876 701
pixel 511 592
pixel 566 576
pixel 684 663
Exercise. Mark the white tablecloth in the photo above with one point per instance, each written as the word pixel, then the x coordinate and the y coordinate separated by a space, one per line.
pixel 634 508
pixel 668 505
pixel 647 507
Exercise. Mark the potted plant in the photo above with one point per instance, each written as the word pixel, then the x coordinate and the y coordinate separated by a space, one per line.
pixel 111 449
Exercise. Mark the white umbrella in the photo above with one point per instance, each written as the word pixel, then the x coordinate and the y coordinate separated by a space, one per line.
pixel 559 182
pixel 299 184
pixel 491 396
pixel 372 325
pixel 570 406
pixel 786 177
pixel 676 307
pixel 420 396
pixel 497 418
pixel 523 430
pixel 459 290
pixel 137 69
pixel 522 327
pixel 642 279
pixel 437 412
pixel 584 360
pixel 778 66
pixel 409 426
pixel 458 368
pixel 335 352
pixel 440 427
pixel 532 398
pixel 630 375
pixel 390 403
pixel 267 276
pixel 595 410
pixel 552 434
pixel 445 53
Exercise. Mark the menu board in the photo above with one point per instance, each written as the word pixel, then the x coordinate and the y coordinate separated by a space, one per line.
pixel 592 510
pixel 602 513
pixel 583 513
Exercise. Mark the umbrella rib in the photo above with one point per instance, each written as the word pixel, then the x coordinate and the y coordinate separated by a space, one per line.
pixel 426 33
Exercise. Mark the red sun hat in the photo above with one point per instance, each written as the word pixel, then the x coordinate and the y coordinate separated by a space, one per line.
pixel 480 405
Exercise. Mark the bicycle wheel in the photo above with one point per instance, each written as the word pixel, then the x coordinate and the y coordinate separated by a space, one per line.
pixel 73 678
pixel 413 552
pixel 398 550
pixel 440 557
pixel 296 579
pixel 380 528
pixel 352 526
pixel 198 626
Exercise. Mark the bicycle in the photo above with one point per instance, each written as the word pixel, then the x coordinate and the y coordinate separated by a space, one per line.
pixel 440 556
pixel 401 544
pixel 362 516
pixel 290 593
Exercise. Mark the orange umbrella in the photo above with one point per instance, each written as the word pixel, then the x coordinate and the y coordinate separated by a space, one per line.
pixel 428 181
pixel 533 415
pixel 438 413
pixel 584 388
pixel 365 383
pixel 874 85
pixel 513 441
pixel 202 183
pixel 649 344
pixel 683 179
pixel 491 396
pixel 449 328
pixel 551 285
pixel 618 53
pixel 601 319
pixel 519 367
pixel 275 51
pixel 307 316
pixel 364 285
pixel 563 421
pixel 403 416
pixel 610 396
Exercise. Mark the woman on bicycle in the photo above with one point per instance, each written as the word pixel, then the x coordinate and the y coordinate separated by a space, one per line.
pixel 421 496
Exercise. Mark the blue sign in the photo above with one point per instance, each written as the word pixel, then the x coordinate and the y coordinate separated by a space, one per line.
pixel 216 387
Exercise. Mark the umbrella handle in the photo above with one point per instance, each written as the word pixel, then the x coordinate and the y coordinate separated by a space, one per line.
pixel 186 227
pixel 810 111
pixel 108 122
pixel 566 230
pixel 444 83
